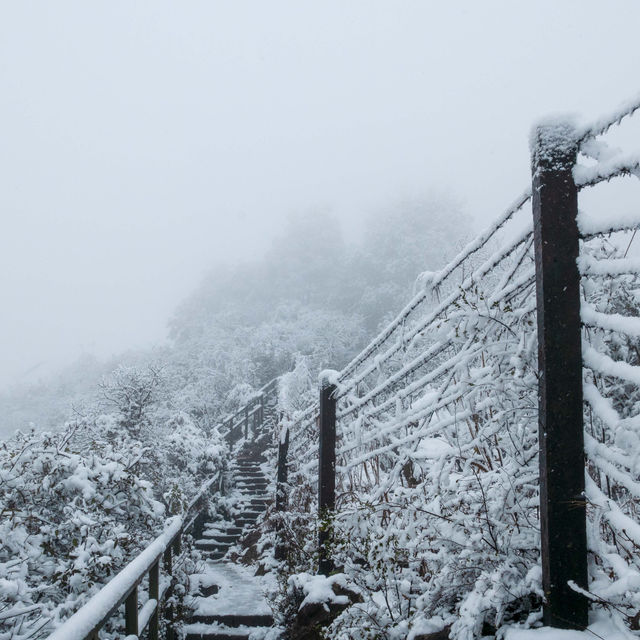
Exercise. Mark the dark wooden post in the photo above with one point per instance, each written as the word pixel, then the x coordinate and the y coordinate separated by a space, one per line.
pixel 562 463
pixel 254 425
pixel 246 422
pixel 168 564
pixel 131 613
pixel 154 594
pixel 326 473
pixel 281 493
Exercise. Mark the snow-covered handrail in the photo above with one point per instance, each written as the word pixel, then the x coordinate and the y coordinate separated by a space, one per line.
pixel 85 623
pixel 475 277
pixel 603 124
pixel 472 247
pixel 234 424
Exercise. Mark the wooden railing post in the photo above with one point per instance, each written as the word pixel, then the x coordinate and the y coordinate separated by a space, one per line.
pixel 562 462
pixel 326 473
pixel 168 564
pixel 168 609
pixel 281 493
pixel 254 425
pixel 131 613
pixel 246 422
pixel 154 594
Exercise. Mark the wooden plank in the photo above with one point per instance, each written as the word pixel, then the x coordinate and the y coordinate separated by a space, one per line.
pixel 562 463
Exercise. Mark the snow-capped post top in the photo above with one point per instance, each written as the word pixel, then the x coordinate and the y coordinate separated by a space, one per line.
pixel 554 143
pixel 328 377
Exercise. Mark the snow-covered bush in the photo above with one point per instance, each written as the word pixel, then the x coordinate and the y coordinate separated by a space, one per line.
pixel 79 503
pixel 70 519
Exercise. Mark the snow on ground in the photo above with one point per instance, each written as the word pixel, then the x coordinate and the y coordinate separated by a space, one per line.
pixel 602 627
pixel 239 591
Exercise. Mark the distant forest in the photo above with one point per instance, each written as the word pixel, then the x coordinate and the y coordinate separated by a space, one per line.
pixel 313 295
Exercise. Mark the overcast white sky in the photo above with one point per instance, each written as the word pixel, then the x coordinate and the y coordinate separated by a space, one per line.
pixel 141 142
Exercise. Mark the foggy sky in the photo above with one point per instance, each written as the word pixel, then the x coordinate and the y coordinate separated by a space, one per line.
pixel 143 142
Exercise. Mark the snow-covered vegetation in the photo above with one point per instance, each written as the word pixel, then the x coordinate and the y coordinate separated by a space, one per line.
pixel 78 503
pixel 126 444
pixel 437 507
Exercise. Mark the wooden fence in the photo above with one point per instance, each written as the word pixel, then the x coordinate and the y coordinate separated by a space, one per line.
pixel 555 236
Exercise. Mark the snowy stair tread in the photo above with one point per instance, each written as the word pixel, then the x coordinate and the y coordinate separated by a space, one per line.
pixel 218 537
pixel 234 611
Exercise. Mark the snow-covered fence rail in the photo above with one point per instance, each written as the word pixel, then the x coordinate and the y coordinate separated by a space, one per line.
pixel 459 455
pixel 249 417
pixel 87 622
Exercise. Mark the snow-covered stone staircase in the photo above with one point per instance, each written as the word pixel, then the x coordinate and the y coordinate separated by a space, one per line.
pixel 251 484
pixel 227 599
pixel 235 607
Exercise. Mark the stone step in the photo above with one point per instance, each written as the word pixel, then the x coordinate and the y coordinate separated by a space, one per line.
pixel 228 531
pixel 217 635
pixel 212 545
pixel 219 537
pixel 247 513
pixel 231 620
pixel 246 522
pixel 223 528
pixel 199 632
pixel 254 509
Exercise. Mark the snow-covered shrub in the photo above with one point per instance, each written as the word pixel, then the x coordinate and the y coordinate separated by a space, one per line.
pixel 189 456
pixel 70 519
pixel 80 503
pixel 132 391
